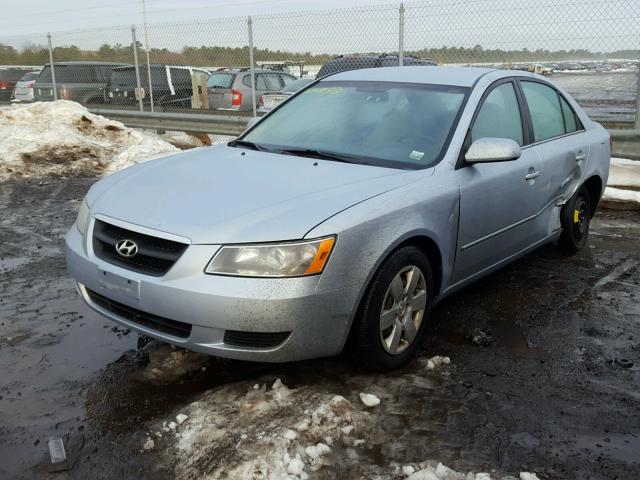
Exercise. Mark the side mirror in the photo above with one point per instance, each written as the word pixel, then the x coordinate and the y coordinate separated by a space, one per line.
pixel 252 121
pixel 491 149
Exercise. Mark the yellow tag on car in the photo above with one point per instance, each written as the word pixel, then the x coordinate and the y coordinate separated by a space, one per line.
pixel 576 216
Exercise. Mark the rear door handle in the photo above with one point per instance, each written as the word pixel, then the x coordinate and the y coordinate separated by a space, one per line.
pixel 532 175
pixel 580 156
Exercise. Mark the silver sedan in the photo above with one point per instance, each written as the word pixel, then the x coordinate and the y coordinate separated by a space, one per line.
pixel 339 219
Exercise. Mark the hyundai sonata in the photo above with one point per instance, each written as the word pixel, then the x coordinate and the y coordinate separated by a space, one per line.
pixel 341 217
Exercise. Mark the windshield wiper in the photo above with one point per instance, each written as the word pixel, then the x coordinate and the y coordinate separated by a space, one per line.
pixel 251 145
pixel 322 154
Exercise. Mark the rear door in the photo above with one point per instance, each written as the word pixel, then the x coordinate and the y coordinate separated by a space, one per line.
pixel 497 200
pixel 44 85
pixel 562 145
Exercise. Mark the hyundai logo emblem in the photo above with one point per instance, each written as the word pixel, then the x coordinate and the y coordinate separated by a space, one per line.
pixel 126 248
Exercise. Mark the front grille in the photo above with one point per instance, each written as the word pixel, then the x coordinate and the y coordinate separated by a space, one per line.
pixel 254 339
pixel 149 320
pixel 155 255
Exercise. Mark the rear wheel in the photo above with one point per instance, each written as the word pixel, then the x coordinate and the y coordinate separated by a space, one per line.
pixel 575 220
pixel 391 317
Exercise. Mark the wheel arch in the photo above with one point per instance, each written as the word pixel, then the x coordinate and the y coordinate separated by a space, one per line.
pixel 594 187
pixel 426 244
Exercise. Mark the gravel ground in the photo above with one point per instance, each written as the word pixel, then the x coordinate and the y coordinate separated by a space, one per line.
pixel 537 380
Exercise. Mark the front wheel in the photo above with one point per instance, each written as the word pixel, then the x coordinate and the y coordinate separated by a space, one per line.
pixel 575 220
pixel 390 321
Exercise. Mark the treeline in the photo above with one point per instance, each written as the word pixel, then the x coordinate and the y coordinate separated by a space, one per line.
pixel 239 56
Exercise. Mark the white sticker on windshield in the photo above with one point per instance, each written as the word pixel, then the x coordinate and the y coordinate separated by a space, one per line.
pixel 416 155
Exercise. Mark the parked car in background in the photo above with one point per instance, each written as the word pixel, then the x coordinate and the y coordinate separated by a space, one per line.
pixel 338 220
pixel 172 85
pixel 230 89
pixel 23 91
pixel 270 100
pixel 344 63
pixel 82 82
pixel 9 77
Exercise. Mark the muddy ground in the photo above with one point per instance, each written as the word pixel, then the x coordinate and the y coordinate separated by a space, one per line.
pixel 549 392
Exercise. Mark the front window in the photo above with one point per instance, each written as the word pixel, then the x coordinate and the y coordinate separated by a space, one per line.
pixel 389 124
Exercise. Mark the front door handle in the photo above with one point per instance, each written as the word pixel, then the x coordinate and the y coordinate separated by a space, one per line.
pixel 532 175
pixel 580 156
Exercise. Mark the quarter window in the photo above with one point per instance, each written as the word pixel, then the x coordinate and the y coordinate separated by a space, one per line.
pixel 570 124
pixel 499 116
pixel 545 110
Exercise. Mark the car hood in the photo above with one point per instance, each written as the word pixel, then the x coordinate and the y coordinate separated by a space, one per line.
pixel 231 195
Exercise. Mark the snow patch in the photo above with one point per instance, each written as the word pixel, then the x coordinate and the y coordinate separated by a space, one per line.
pixel 369 400
pixel 623 186
pixel 62 138
pixel 149 444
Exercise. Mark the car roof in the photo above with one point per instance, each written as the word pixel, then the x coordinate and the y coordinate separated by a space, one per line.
pixel 86 62
pixel 460 76
pixel 248 70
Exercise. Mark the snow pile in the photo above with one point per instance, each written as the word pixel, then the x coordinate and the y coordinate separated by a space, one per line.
pixel 62 138
pixel 271 432
pixel 433 471
pixel 623 187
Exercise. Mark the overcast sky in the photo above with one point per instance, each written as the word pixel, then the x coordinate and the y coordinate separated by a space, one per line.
pixel 39 15
pixel 600 25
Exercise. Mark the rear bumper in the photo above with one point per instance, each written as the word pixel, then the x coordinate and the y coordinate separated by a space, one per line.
pixel 316 324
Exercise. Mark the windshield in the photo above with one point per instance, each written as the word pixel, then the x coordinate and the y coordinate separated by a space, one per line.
pixel 390 124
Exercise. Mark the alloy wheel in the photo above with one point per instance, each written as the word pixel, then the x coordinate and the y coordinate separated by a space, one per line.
pixel 403 310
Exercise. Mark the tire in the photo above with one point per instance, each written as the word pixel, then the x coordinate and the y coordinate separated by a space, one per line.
pixel 381 349
pixel 575 219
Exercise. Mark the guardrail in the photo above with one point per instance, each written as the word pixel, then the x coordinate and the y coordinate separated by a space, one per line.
pixel 187 122
pixel 626 142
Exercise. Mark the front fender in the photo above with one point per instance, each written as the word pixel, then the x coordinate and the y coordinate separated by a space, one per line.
pixel 368 232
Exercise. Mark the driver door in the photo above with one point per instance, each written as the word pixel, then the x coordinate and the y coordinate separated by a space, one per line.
pixel 497 199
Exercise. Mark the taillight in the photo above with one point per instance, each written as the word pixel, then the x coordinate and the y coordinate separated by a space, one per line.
pixel 30 84
pixel 236 98
pixel 4 85
pixel 64 93
pixel 261 101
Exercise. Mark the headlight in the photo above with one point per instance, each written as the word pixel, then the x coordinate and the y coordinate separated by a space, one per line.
pixel 276 260
pixel 83 216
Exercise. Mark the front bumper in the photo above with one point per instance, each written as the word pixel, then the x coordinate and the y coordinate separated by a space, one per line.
pixel 318 322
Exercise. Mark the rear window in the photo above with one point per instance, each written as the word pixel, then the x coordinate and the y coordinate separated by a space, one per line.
pixel 30 76
pixel 221 80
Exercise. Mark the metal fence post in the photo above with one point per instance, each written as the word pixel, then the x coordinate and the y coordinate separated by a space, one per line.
pixel 251 66
pixel 146 46
pixel 401 37
pixel 53 71
pixel 637 120
pixel 135 61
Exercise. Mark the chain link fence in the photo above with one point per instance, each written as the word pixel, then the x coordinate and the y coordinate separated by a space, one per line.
pixel 590 47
